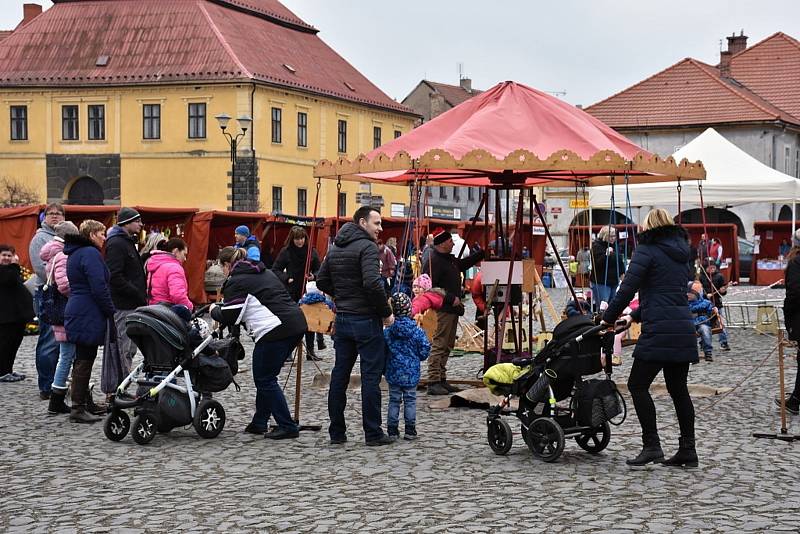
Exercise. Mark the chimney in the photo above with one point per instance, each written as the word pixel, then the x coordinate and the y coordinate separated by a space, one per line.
pixel 29 12
pixel 466 84
pixel 737 43
pixel 725 64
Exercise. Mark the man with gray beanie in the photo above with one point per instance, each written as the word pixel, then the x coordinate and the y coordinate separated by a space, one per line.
pixel 128 282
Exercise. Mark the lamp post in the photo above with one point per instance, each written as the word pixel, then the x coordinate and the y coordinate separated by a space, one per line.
pixel 233 140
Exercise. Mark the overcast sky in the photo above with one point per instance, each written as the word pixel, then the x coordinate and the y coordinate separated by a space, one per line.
pixel 590 49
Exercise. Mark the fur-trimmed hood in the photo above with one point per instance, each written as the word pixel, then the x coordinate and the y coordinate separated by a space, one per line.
pixel 74 242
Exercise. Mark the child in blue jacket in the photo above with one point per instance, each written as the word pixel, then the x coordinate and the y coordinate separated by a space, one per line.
pixel 702 310
pixel 406 346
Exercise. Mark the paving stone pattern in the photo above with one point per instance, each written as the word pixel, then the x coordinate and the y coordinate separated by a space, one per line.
pixel 61 477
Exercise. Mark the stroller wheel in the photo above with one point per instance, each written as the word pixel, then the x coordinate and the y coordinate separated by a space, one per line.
pixel 499 436
pixel 596 439
pixel 546 439
pixel 116 425
pixel 209 419
pixel 144 428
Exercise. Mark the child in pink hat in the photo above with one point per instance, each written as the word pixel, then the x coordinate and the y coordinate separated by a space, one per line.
pixel 426 297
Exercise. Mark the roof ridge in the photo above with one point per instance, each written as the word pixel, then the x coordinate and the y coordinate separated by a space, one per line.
pixel 640 82
pixel 221 39
pixel 702 66
pixel 788 38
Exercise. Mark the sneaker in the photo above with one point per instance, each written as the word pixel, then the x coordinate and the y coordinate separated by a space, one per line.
pixel 8 378
pixel 725 347
pixel 282 433
pixel 19 376
pixel 411 433
pixel 709 358
pixel 792 404
pixel 383 440
pixel 393 431
pixel 255 429
pixel 616 360
pixel 437 388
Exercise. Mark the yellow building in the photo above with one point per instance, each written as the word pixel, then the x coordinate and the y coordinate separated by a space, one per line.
pixel 128 117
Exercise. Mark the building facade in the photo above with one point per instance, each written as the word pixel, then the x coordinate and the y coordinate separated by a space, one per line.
pixel 129 118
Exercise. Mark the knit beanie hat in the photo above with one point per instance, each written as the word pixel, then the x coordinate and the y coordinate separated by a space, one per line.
pixel 127 215
pixel 440 235
pixel 401 305
pixel 796 238
pixel 424 281
pixel 243 230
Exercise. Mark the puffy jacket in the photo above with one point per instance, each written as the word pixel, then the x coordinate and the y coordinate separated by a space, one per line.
pixel 56 261
pixel 445 272
pixel 659 271
pixel 254 295
pixel 427 301
pixel 291 264
pixel 406 346
pixel 166 280
pixel 606 269
pixel 43 235
pixel 252 247
pixel 791 303
pixel 351 274
pixel 128 283
pixel 17 301
pixel 719 288
pixel 701 310
pixel 89 306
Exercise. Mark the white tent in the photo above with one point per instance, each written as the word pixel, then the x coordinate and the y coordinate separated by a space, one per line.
pixel 733 177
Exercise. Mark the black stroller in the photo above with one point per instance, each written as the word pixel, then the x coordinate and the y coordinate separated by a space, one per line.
pixel 555 374
pixel 183 364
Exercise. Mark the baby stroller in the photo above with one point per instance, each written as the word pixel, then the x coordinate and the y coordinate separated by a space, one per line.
pixel 555 374
pixel 183 365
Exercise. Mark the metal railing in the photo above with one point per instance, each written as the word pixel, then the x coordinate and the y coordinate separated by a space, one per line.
pixel 766 316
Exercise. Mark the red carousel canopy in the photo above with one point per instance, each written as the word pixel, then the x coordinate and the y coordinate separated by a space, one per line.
pixel 499 136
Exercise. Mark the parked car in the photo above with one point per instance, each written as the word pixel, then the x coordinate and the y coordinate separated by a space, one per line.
pixel 745 258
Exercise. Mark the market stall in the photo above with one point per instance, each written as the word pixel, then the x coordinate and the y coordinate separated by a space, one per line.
pixel 104 214
pixel 17 227
pixel 768 262
pixel 276 231
pixel 729 239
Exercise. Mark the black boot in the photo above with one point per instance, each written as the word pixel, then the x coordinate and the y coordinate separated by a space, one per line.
pixel 792 404
pixel 321 342
pixel 57 404
pixel 651 452
pixel 686 455
pixel 81 373
pixel 310 354
pixel 94 408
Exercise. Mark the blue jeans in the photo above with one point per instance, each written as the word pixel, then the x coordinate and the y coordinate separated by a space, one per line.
pixel 65 357
pixel 357 335
pixel 46 348
pixel 723 337
pixel 268 358
pixel 602 293
pixel 408 396
pixel 705 337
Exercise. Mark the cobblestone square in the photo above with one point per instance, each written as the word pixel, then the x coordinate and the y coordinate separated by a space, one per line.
pixel 61 477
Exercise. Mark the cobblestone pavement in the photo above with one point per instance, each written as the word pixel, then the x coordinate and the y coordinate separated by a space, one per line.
pixel 60 477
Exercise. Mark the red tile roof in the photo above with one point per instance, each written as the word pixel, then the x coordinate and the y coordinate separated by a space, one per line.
pixel 5 33
pixel 155 41
pixel 692 92
pixel 453 94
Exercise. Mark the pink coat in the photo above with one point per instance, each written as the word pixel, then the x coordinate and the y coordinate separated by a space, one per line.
pixel 52 253
pixel 426 301
pixel 166 280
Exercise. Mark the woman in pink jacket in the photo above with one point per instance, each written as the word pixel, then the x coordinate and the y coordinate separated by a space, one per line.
pixel 56 263
pixel 166 279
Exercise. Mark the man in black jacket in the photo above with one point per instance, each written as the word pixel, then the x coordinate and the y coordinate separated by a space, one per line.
pixel 351 275
pixel 445 272
pixel 714 286
pixel 128 282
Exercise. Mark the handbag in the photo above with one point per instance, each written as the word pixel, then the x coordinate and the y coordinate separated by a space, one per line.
pixel 53 302
pixel 598 401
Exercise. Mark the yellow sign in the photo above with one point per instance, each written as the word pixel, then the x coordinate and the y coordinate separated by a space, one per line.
pixel 578 204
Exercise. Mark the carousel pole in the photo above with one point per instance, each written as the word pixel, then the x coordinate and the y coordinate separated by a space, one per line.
pixel 530 251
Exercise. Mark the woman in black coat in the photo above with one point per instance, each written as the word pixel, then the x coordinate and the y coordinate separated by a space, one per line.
pixel 659 272
pixel 290 266
pixel 15 312
pixel 791 313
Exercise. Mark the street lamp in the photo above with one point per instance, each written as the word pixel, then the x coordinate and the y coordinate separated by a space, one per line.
pixel 244 124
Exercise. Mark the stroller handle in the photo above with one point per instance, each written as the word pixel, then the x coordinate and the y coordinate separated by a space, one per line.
pixel 590 332
pixel 201 311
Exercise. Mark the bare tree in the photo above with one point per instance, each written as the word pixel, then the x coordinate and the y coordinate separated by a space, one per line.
pixel 14 193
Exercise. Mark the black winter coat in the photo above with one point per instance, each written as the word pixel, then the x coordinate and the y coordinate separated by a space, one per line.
pixel 128 281
pixel 659 272
pixel 445 272
pixel 606 270
pixel 253 278
pixel 791 303
pixel 714 293
pixel 17 302
pixel 351 274
pixel 291 264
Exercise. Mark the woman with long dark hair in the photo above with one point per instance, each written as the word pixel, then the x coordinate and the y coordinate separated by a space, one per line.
pixel 254 296
pixel 290 266
pixel 668 344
